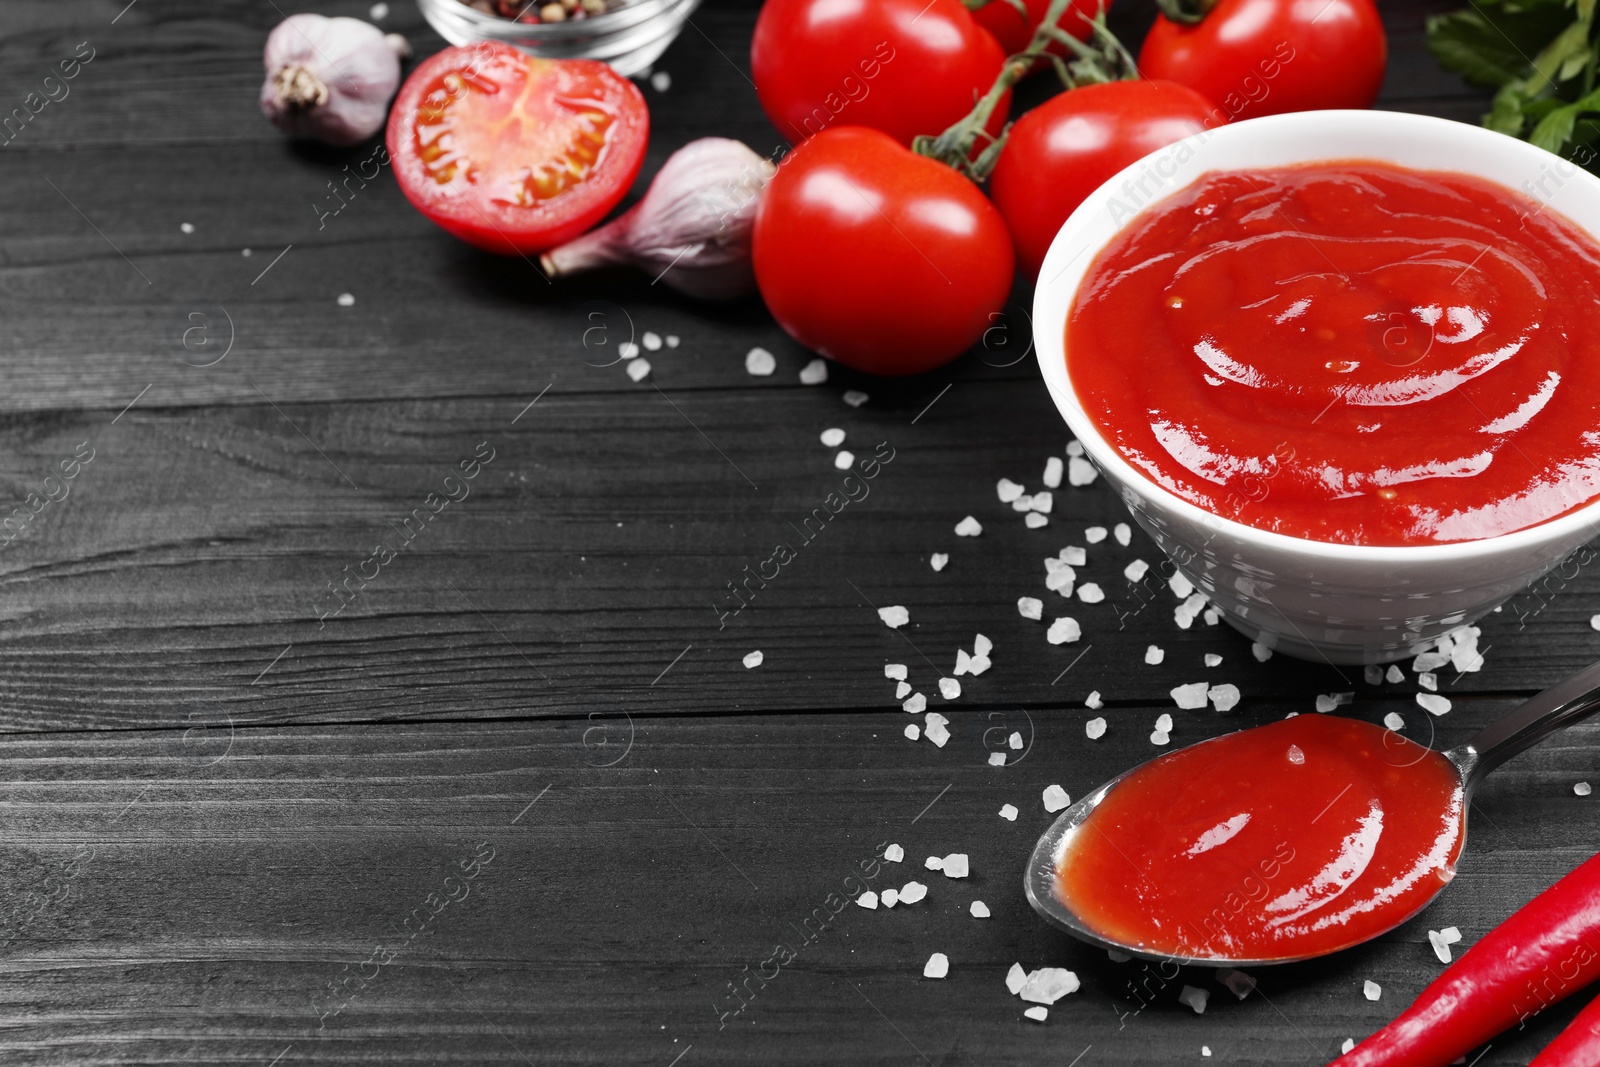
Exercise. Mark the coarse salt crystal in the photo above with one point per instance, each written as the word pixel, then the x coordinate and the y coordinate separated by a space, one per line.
pixel 1159 737
pixel 1073 556
pixel 1194 998
pixel 652 340
pixel 912 731
pixel 868 900
pixel 1393 721
pixel 1014 742
pixel 902 690
pixel 1093 701
pixel 187 227
pixel 1055 798
pixel 997 759
pixel 1015 978
pixel 915 703
pixel 672 340
pixel 933 863
pixel 1136 570
pixel 1043 501
pixel 1008 812
pixel 1429 681
pixel 912 892
pixel 1261 652
pixel 1450 935
pixel 1433 703
pixel 833 437
pixel 1123 533
pixel 1441 947
pixel 1224 697
pixel 855 397
pixel 1090 593
pixel 1154 655
pixel 1594 622
pixel 759 362
pixel 938 560
pixel 895 671
pixel 894 853
pixel 969 527
pixel 1074 448
pixel 1095 729
pixel 1326 702
pixel 814 373
pixel 894 616
pixel 1080 472
pixel 1007 490
pixel 1038 1013
pixel 1371 990
pixel 1063 631
pixel 890 898
pixel 1094 534
pixel 1164 723
pixel 1583 789
pixel 1238 983
pixel 346 300
pixel 639 369
pixel 963 662
pixel 1033 520
pixel 1428 661
pixel 949 688
pixel 938 734
pixel 956 865
pixel 1213 660
pixel 981 645
pixel 1212 616
pixel 980 664
pixel 1205 1050
pixel 1349 1045
pixel 1189 697
pixel 1048 985
pixel 1373 674
pixel 979 909
pixel 754 659
pixel 1052 472
pixel 1022 503
pixel 1030 607
pixel 661 81
pixel 938 966
pixel 1181 587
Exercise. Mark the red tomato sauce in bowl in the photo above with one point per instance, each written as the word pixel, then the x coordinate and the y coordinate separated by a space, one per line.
pixel 1350 352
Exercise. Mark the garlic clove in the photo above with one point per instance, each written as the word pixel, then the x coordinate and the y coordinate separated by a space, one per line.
pixel 330 79
pixel 690 230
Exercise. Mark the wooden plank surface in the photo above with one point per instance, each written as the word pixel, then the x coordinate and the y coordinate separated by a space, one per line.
pixel 217 805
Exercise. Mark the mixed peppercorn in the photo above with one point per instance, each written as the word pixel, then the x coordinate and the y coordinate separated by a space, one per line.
pixel 532 11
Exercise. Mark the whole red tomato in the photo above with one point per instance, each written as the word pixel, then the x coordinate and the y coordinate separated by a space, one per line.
pixel 881 259
pixel 1064 149
pixel 1014 32
pixel 1267 57
pixel 906 67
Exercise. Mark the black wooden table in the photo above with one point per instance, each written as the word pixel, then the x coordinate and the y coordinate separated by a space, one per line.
pixel 519 800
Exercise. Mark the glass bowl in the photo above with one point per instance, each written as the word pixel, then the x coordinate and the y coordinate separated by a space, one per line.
pixel 629 38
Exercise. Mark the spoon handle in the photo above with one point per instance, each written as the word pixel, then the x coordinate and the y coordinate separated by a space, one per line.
pixel 1556 708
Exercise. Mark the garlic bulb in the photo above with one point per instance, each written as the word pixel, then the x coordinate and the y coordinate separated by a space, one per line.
pixel 330 79
pixel 692 227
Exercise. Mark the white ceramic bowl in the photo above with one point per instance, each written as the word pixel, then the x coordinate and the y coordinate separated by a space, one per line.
pixel 1312 599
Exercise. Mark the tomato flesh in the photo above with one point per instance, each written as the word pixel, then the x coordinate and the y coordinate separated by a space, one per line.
pixel 512 153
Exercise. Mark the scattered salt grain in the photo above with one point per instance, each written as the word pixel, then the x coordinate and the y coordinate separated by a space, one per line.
pixel 1238 983
pixel 981 646
pixel 938 966
pixel 1123 533
pixel 627 350
pixel 1441 940
pixel 1043 501
pixel 1371 990
pixel 814 373
pixel 754 659
pixel 1429 681
pixel 1349 1045
pixel 868 900
pixel 187 227
pixel 1583 789
pixel 969 527
pixel 1074 448
pixel 1154 655
pixel 855 397
pixel 949 688
pixel 894 617
pixel 1189 697
pixel 652 341
pixel 833 437
pixel 938 734
pixel 1095 729
pixel 1194 998
pixel 1373 674
pixel 1393 721
pixel 938 560
pixel 1052 472
pixel 1093 701
pixel 1014 742
pixel 980 664
pixel 639 369
pixel 1033 520
pixel 894 853
pixel 890 897
pixel 1007 490
pixel 1008 812
pixel 915 703
pixel 1030 607
pixel 956 865
pixel 378 12
pixel 1212 616
pixel 660 81
pixel 896 671
pixel 1394 674
pixel 672 340
pixel 979 909
pixel 1022 503
pixel 1055 798
pixel 912 892
pixel 1261 652
pixel 1136 570
pixel 1048 985
pixel 1181 587
pixel 1224 697
pixel 759 362
pixel 1184 614
pixel 1159 737
pixel 963 662
pixel 997 759
pixel 1164 723
pixel 1094 534
pixel 1090 593
pixel 912 731
pixel 933 863
pixel 1015 978
pixel 1594 622
pixel 1073 556
pixel 1433 703
pixel 1080 472
pixel 1037 1013
pixel 1205 1050
pixel 1326 702
pixel 346 300
pixel 1213 660
pixel 1429 661
pixel 1064 630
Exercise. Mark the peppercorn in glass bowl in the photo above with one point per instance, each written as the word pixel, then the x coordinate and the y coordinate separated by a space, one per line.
pixel 628 34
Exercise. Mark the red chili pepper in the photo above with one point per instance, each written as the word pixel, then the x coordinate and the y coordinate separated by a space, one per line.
pixel 1548 950
pixel 1578 1043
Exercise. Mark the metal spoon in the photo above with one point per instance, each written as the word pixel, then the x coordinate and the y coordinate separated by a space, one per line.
pixel 1554 709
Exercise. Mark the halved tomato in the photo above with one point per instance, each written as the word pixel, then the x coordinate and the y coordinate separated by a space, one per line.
pixel 512 153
